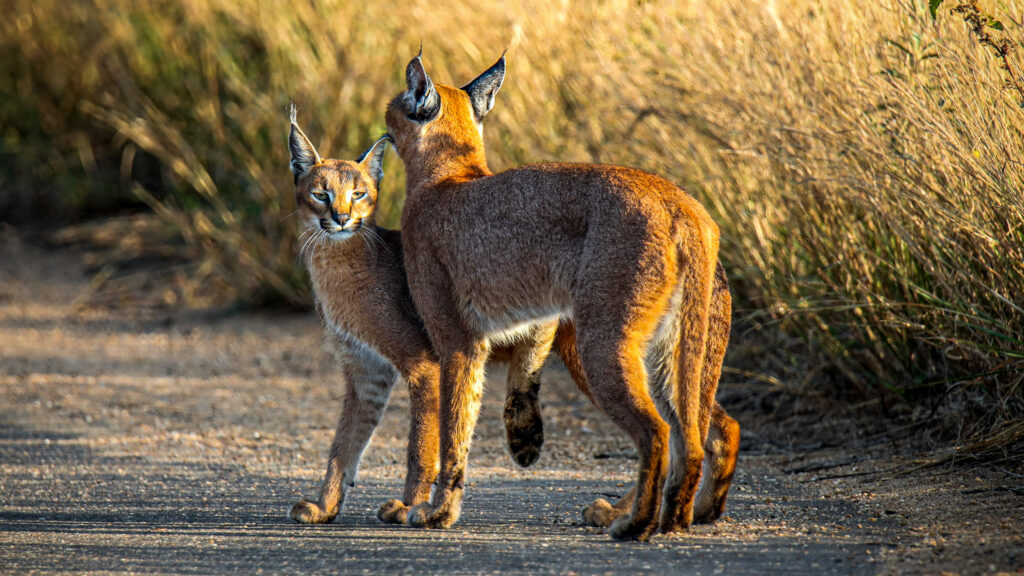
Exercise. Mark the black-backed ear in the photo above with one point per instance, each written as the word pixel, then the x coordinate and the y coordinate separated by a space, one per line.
pixel 483 89
pixel 424 102
pixel 373 159
pixel 304 155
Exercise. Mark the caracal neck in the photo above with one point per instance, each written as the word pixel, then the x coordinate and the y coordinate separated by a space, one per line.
pixel 354 251
pixel 441 160
pixel 448 150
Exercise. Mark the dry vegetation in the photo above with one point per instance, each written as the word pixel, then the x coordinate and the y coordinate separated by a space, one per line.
pixel 863 160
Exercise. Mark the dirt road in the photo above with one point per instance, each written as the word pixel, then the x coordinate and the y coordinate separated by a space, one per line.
pixel 144 442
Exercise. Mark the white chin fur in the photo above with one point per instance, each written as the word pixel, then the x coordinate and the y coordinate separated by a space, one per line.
pixel 341 234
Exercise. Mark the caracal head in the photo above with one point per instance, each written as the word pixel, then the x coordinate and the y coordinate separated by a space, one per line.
pixel 335 198
pixel 427 113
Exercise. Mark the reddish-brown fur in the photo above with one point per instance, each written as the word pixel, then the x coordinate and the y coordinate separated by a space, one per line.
pixel 627 255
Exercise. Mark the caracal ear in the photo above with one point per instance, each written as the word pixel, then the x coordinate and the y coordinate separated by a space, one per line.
pixel 424 102
pixel 304 156
pixel 373 159
pixel 483 89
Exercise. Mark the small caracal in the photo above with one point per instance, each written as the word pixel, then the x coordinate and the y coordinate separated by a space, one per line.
pixel 626 255
pixel 362 296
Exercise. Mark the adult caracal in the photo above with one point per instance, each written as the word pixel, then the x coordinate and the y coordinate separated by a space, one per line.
pixel 362 296
pixel 627 255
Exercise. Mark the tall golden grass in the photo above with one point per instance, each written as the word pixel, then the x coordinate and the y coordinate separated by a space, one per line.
pixel 863 160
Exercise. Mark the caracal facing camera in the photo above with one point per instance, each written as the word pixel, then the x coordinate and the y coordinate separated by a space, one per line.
pixel 362 296
pixel 627 255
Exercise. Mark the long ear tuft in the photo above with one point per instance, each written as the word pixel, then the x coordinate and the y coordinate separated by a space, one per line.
pixel 304 155
pixel 424 102
pixel 373 159
pixel 483 89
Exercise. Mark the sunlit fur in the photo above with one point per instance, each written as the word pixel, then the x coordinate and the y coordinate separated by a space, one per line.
pixel 361 293
pixel 627 256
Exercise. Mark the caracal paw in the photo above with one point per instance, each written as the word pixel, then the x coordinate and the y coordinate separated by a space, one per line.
pixel 428 516
pixel 600 513
pixel 710 514
pixel 626 527
pixel 525 454
pixel 394 512
pixel 524 429
pixel 307 512
pixel 676 516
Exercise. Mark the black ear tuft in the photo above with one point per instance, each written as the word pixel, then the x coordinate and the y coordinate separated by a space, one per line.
pixel 304 155
pixel 483 89
pixel 373 159
pixel 424 102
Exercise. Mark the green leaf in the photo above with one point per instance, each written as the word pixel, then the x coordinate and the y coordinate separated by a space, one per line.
pixel 933 6
pixel 995 24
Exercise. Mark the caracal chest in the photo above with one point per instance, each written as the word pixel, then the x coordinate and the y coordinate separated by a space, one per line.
pixel 355 297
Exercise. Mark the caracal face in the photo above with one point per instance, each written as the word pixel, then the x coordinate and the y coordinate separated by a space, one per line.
pixel 335 198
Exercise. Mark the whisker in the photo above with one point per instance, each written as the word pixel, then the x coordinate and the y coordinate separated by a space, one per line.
pixel 364 233
pixel 377 238
pixel 321 240
pixel 307 233
pixel 309 243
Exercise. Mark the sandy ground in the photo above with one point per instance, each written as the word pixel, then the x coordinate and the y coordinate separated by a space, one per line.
pixel 141 441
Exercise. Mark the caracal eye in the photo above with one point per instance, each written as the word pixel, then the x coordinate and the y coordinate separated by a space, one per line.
pixel 358 194
pixel 320 195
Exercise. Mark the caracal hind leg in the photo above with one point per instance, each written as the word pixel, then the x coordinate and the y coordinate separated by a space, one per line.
pixel 721 451
pixel 720 454
pixel 600 513
pixel 611 349
pixel 423 375
pixel 368 383
pixel 698 260
pixel 721 448
pixel 524 428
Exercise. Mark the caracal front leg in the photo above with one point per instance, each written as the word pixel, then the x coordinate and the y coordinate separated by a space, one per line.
pixel 368 383
pixel 462 355
pixel 423 375
pixel 462 371
pixel 524 428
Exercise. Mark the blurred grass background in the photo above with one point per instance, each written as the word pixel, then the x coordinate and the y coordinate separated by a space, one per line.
pixel 862 159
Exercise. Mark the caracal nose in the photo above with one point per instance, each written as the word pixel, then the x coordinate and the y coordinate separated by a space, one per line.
pixel 340 219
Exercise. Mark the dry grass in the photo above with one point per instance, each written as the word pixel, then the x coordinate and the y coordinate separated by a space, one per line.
pixel 863 160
